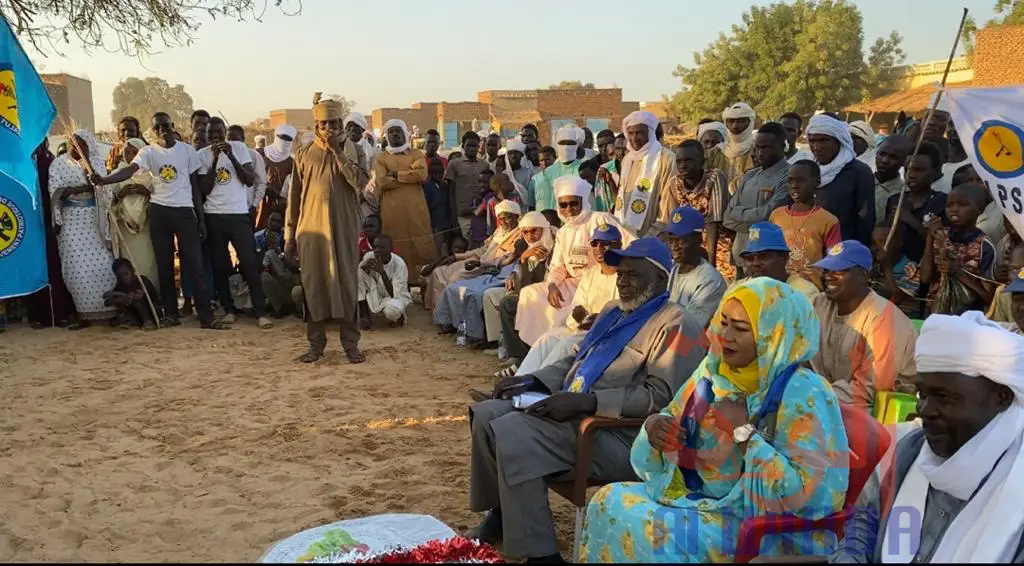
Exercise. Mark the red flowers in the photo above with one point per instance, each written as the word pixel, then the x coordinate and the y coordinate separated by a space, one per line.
pixel 457 549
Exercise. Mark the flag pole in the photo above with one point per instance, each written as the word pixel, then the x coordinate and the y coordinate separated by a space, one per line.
pixel 924 125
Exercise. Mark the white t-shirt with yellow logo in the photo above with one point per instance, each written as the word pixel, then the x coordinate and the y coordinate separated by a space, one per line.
pixel 170 168
pixel 229 195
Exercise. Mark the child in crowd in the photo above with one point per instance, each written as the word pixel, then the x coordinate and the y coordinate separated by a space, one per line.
pixel 130 298
pixel 809 229
pixel 1005 246
pixel 1001 309
pixel 501 188
pixel 478 224
pixel 959 259
pixel 893 276
pixel 436 194
pixel 371 229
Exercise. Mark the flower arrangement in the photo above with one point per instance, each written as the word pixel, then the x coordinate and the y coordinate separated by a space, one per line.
pixel 453 550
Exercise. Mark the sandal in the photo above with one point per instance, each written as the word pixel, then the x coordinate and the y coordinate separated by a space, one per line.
pixel 215 325
pixel 310 356
pixel 355 356
pixel 510 371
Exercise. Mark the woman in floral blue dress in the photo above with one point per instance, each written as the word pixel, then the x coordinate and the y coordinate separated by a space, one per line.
pixel 751 433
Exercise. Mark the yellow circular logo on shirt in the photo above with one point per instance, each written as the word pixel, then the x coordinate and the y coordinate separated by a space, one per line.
pixel 168 173
pixel 223 176
pixel 12 227
pixel 999 146
pixel 836 249
pixel 638 206
pixel 644 184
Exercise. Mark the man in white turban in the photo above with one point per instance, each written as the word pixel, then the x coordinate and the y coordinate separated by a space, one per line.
pixel 959 480
pixel 646 171
pixel 863 142
pixel 711 134
pixel 279 162
pixel 567 142
pixel 738 151
pixel 518 169
pixel 847 188
pixel 260 141
pixel 542 306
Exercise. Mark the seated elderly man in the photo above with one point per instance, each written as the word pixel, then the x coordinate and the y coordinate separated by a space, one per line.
pixel 694 283
pixel 630 364
pixel 767 254
pixel 867 344
pixel 597 290
pixel 952 492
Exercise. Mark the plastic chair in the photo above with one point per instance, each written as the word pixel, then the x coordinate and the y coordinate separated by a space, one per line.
pixel 893 407
pixel 917 324
pixel 869 441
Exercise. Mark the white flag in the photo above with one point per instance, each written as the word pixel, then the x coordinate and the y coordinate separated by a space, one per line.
pixel 990 122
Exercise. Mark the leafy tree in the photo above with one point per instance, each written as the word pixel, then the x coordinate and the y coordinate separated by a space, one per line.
pixel 132 27
pixel 883 72
pixel 800 57
pixel 1008 12
pixel 142 98
pixel 572 85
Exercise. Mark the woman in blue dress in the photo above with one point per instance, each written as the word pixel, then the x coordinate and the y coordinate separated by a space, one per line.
pixel 751 433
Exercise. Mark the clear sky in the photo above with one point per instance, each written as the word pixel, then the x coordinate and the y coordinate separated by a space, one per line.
pixel 395 53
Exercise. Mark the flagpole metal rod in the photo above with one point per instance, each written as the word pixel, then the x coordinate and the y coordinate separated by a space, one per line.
pixel 924 125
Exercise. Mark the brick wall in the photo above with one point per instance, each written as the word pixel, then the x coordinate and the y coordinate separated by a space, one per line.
pixel 425 117
pixel 301 118
pixel 580 104
pixel 462 111
pixel 628 107
pixel 999 56
pixel 76 100
pixel 59 95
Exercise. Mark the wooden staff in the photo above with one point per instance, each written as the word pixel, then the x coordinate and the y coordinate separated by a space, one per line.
pixel 924 125
pixel 81 153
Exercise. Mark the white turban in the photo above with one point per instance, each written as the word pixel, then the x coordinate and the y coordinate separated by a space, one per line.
pixel 573 186
pixel 507 206
pixel 280 149
pixel 862 130
pixel 743 143
pixel 824 124
pixel 405 129
pixel 637 118
pixel 567 152
pixel 534 219
pixel 515 144
pixel 988 528
pixel 712 127
pixel 260 138
pixel 358 118
pixel 636 155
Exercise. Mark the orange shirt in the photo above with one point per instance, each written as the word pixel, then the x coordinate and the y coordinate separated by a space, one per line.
pixel 809 235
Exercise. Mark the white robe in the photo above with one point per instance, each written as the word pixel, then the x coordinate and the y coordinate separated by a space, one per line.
pixel 596 290
pixel 569 259
pixel 372 290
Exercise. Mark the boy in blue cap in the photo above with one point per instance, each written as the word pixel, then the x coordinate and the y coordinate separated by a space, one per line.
pixel 867 344
pixel 693 283
pixel 767 255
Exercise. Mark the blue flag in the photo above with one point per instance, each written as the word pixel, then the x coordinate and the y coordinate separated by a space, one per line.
pixel 26 113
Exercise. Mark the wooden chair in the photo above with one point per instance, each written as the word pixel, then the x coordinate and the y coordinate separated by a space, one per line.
pixel 869 441
pixel 573 486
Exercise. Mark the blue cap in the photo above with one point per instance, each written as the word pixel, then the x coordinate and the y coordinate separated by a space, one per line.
pixel 765 237
pixel 1017 284
pixel 605 232
pixel 651 249
pixel 685 221
pixel 845 255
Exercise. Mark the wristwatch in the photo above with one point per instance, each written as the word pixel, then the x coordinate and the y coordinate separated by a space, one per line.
pixel 743 433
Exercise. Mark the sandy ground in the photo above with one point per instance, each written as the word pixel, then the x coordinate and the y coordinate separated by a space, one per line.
pixel 182 445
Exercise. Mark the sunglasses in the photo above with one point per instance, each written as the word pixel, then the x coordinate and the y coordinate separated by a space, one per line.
pixel 601 244
pixel 285 137
pixel 568 204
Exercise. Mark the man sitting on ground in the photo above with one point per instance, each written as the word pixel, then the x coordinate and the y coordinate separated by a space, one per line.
pixel 867 344
pixel 280 272
pixel 129 297
pixel 596 291
pixel 383 285
pixel 952 491
pixel 767 255
pixel 629 365
pixel 694 283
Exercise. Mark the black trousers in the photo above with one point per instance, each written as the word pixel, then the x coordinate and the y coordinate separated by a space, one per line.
pixel 235 229
pixel 166 223
pixel 516 347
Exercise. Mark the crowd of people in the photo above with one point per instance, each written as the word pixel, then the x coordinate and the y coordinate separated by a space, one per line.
pixel 737 292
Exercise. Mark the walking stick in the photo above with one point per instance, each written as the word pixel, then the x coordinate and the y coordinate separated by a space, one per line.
pixel 88 166
pixel 924 125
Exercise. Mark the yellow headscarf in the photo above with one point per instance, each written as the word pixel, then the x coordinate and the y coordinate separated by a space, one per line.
pixel 744 378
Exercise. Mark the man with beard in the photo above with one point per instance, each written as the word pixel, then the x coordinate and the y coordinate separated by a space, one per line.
pixel 951 494
pixel 646 171
pixel 322 229
pixel 175 213
pixel 867 344
pixel 629 365
pixel 277 158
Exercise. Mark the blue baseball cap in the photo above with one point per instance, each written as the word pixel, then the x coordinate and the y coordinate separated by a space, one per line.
pixel 651 249
pixel 684 221
pixel 845 255
pixel 605 232
pixel 1017 284
pixel 765 237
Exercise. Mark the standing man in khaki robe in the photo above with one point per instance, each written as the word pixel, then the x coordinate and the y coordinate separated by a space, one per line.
pixel 322 229
pixel 399 174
